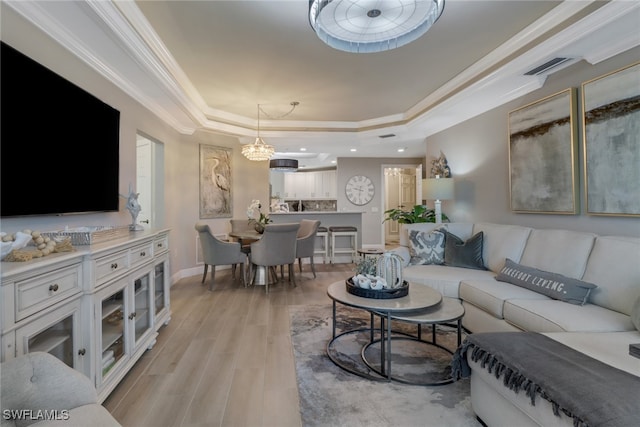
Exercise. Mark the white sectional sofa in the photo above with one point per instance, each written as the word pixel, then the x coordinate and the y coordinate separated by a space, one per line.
pixel 601 328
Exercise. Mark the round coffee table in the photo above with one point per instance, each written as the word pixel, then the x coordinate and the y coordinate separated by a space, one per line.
pixel 447 311
pixel 370 251
pixel 419 298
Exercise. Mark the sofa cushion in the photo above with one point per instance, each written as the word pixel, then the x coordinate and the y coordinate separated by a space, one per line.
pixel 458 253
pixel 561 251
pixel 553 285
pixel 614 265
pixel 500 242
pixel 490 295
pixel 536 315
pixel 426 247
pixel 611 348
pixel 443 279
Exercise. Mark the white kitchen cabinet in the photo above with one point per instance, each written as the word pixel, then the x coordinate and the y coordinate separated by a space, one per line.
pixel 329 184
pixel 310 185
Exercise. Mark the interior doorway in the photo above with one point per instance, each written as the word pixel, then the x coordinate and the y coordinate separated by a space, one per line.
pixel 402 190
pixel 149 181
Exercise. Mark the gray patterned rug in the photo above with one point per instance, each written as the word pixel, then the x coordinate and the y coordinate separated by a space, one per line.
pixel 331 396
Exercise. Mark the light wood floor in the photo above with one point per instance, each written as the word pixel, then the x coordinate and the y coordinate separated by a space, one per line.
pixel 225 358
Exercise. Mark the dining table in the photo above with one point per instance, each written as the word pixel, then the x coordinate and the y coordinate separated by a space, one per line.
pixel 245 238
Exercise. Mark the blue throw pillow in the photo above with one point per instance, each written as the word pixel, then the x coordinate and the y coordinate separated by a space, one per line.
pixel 553 285
pixel 458 253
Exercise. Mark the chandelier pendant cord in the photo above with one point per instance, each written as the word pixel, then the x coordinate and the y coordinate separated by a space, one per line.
pixel 293 104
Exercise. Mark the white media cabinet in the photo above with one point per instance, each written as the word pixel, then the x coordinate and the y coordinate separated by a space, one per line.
pixel 98 308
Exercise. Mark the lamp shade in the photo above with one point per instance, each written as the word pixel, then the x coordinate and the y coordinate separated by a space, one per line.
pixel 283 165
pixel 437 188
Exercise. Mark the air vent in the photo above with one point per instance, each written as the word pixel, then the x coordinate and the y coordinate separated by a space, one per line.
pixel 555 62
pixel 389 135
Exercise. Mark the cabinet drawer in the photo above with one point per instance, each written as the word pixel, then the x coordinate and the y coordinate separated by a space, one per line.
pixel 141 253
pixel 161 244
pixel 111 266
pixel 33 295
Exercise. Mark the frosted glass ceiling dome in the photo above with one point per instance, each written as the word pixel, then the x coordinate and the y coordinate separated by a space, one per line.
pixel 366 26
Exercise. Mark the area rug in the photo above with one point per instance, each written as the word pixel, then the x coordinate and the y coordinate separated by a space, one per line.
pixel 331 396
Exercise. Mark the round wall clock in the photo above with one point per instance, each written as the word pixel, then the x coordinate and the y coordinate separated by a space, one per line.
pixel 359 190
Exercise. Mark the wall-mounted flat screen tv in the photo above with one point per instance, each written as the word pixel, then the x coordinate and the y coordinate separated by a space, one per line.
pixel 59 145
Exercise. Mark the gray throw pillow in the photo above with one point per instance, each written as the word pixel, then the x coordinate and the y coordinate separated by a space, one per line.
pixel 426 247
pixel 635 313
pixel 553 285
pixel 458 253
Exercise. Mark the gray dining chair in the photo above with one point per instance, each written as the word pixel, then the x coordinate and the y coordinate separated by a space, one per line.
pixel 276 247
pixel 218 252
pixel 306 242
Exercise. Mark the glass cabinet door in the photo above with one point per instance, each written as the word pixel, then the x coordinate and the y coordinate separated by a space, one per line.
pixel 159 287
pixel 56 340
pixel 142 314
pixel 113 339
pixel 57 333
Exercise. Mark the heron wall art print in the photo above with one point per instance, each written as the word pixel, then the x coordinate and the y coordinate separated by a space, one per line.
pixel 215 182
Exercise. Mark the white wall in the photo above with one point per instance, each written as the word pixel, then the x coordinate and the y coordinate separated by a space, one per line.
pixel 477 152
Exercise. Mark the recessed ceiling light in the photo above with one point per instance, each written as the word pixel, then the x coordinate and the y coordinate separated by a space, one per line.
pixel 353 150
pixel 333 161
pixel 303 149
pixel 401 150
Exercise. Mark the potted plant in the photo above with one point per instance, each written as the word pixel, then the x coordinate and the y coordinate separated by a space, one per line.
pixel 419 213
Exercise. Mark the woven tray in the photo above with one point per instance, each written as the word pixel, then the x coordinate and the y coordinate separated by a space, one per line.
pixel 90 235
pixel 400 292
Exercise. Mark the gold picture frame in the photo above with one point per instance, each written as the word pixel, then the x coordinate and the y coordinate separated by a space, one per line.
pixel 543 147
pixel 611 142
pixel 215 182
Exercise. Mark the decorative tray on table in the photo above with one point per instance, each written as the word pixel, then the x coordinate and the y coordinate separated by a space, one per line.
pixel 398 292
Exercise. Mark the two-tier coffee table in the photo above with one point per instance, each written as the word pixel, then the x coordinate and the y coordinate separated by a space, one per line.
pixel 423 305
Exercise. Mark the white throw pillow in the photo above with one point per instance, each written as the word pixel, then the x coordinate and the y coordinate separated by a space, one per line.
pixel 426 247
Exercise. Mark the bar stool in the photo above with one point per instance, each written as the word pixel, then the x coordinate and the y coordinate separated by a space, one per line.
pixel 323 233
pixel 343 231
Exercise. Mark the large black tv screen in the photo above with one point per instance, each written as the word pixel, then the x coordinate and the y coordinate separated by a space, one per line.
pixel 59 145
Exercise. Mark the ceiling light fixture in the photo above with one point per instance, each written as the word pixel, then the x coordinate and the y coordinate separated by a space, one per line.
pixel 283 165
pixel 372 26
pixel 259 150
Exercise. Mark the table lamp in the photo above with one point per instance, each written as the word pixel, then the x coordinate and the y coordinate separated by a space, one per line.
pixel 437 189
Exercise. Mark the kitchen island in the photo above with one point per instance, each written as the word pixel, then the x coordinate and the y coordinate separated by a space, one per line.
pixel 327 219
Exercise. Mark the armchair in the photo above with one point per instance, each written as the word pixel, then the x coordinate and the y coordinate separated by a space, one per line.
pixel 276 247
pixel 216 252
pixel 39 389
pixel 305 243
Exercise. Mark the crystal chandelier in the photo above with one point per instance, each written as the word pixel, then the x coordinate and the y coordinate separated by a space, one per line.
pixel 372 26
pixel 258 151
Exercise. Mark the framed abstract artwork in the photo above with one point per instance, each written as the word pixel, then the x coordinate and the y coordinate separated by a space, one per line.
pixel 611 138
pixel 215 182
pixel 543 146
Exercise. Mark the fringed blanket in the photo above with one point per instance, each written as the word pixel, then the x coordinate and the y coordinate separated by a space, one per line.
pixel 585 389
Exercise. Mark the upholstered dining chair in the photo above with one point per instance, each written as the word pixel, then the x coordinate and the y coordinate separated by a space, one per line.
pixel 306 242
pixel 276 247
pixel 218 252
